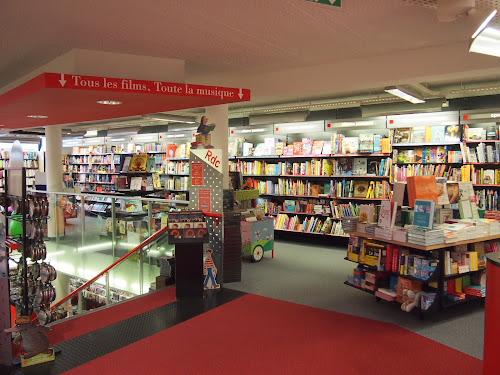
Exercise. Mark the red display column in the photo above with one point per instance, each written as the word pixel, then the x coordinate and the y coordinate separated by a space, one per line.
pixel 492 315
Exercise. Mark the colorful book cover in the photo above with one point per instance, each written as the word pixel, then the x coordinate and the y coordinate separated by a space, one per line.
pixel 307 144
pixel 442 191
pixel 428 133
pixel 361 188
pixel 402 135
pixel 279 148
pixel 359 166
pixel 418 135
pixel 317 147
pixel 136 183
pixel 297 148
pixel 138 163
pixel 421 187
pixel 327 166
pixel 171 150
pixel 441 154
pixel 350 145
pixel 424 212
pixel 489 176
pixel 418 155
pixel 384 217
pixel 126 164
pixel 452 133
pixel 438 133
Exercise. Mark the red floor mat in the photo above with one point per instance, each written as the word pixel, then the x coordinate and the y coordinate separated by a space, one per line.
pixel 259 335
pixel 103 317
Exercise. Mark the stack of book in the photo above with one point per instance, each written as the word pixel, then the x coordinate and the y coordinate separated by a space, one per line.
pixel 349 223
pixel 365 227
pixel 475 290
pixel 425 236
pixel 399 234
pixel 384 233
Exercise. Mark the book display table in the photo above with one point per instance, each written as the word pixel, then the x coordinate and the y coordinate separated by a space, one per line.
pixel 437 279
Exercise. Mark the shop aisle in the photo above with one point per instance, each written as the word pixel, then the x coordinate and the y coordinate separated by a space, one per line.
pixel 313 275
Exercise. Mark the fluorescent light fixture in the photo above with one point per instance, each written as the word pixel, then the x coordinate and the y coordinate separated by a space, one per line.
pixel 484 23
pixel 404 94
pixel 109 102
pixel 487 42
pixel 170 118
pixel 37 116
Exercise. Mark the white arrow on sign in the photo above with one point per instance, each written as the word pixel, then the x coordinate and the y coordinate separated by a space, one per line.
pixel 240 94
pixel 62 81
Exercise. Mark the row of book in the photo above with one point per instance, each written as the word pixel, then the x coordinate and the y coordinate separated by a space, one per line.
pixel 470 172
pixel 360 189
pixel 428 154
pixel 176 183
pixel 483 153
pixel 315 167
pixel 400 173
pixel 176 167
pixel 487 199
pixel 390 258
pixel 422 134
pixel 269 207
pixel 308 224
pixel 463 262
pixel 99 159
pixel 309 206
pixel 337 144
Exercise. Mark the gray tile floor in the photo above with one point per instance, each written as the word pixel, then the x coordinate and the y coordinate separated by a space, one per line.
pixel 314 275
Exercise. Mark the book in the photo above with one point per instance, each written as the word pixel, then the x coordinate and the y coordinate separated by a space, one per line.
pixel 361 188
pixel 317 147
pixel 418 135
pixel 398 193
pixel 307 144
pixel 359 166
pixel 170 151
pixel 350 145
pixel 138 163
pixel 489 176
pixel 402 135
pixel 151 165
pixel 297 148
pixel 452 133
pixel 438 133
pixel 126 164
pixel 384 217
pixel 136 183
pixel 442 191
pixel 421 187
pixel 366 213
pixel 424 213
pixel 327 148
pixel 156 181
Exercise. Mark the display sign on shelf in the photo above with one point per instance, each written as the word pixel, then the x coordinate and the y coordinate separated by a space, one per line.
pixel 423 119
pixel 299 127
pixel 480 116
pixel 378 122
pixel 147 138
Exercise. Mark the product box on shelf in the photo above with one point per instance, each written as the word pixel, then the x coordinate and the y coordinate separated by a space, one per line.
pixel 187 226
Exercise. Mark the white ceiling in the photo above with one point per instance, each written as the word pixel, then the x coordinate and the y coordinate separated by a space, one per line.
pixel 283 50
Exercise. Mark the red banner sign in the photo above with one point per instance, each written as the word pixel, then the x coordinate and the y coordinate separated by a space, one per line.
pixel 74 81
pixel 197 174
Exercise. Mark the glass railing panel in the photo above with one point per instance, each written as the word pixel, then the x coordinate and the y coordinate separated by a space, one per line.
pixel 88 233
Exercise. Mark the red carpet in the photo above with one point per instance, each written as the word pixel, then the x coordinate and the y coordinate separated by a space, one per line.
pixel 103 317
pixel 258 335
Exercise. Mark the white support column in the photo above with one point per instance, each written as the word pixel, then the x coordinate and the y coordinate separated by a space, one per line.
pixel 54 172
pixel 218 115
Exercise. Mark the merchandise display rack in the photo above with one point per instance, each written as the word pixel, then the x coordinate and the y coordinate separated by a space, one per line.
pixel 438 276
pixel 34 280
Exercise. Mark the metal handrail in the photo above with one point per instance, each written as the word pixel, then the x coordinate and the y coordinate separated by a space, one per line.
pixel 147 241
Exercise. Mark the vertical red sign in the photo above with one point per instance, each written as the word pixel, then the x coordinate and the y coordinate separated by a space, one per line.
pixel 204 202
pixel 196 174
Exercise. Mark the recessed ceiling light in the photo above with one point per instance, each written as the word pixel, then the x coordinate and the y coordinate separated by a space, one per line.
pixel 37 116
pixel 109 102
